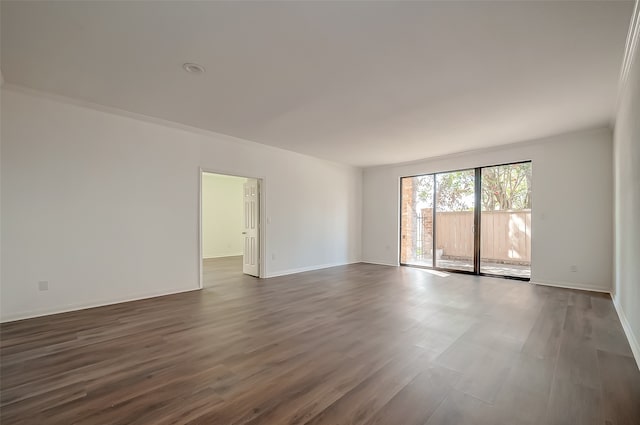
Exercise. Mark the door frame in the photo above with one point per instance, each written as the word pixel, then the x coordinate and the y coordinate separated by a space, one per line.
pixel 477 215
pixel 262 231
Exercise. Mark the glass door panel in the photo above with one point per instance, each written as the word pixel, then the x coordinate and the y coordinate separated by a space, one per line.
pixel 454 203
pixel 505 237
pixel 416 221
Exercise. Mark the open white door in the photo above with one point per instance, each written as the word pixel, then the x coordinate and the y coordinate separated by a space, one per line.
pixel 250 259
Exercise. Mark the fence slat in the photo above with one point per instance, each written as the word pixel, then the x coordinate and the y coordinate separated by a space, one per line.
pixel 506 235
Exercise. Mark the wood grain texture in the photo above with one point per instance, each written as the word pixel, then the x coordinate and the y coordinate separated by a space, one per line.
pixel 358 344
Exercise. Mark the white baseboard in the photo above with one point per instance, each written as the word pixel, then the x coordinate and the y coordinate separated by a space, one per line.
pixel 308 269
pixel 223 256
pixel 65 309
pixel 571 286
pixel 49 311
pixel 633 342
pixel 377 263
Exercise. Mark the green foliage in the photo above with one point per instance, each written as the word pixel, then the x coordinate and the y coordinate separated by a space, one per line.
pixel 454 190
pixel 503 188
pixel 506 187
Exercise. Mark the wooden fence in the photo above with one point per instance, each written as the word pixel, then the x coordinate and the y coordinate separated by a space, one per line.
pixel 506 235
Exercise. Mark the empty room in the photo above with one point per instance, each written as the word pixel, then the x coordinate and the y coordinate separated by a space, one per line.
pixel 319 212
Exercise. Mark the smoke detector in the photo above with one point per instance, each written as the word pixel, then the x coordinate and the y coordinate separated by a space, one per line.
pixel 193 68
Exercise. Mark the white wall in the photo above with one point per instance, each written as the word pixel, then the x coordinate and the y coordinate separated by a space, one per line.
pixel 626 148
pixel 572 217
pixel 222 215
pixel 104 205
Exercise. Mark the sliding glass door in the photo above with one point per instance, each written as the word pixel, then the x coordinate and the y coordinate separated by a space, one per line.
pixel 455 193
pixel 475 220
pixel 505 237
pixel 416 239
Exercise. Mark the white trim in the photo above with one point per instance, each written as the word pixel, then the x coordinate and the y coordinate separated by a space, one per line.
pixel 239 254
pixel 200 248
pixel 633 342
pixel 309 268
pixel 158 121
pixel 567 285
pixel 75 307
pixel 519 157
pixel 377 263
pixel 262 211
pixel 631 44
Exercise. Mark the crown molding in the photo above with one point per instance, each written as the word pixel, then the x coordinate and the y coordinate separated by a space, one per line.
pixel 631 46
pixel 8 86
pixel 550 138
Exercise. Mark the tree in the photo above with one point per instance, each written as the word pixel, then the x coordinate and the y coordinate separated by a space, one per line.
pixel 454 190
pixel 504 187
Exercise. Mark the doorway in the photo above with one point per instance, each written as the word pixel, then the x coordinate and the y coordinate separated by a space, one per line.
pixel 474 220
pixel 230 229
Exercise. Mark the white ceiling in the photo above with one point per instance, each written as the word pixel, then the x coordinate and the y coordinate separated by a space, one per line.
pixel 360 82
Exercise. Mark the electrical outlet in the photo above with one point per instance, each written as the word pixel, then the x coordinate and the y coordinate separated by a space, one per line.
pixel 43 285
pixel 273 256
pixel 573 268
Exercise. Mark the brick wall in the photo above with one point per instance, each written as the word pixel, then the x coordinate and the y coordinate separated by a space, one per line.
pixel 407 221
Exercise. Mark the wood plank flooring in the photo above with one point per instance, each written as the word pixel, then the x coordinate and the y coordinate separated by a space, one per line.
pixel 358 344
pixel 223 270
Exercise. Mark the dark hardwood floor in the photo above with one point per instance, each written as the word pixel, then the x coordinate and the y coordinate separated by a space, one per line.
pixel 359 344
